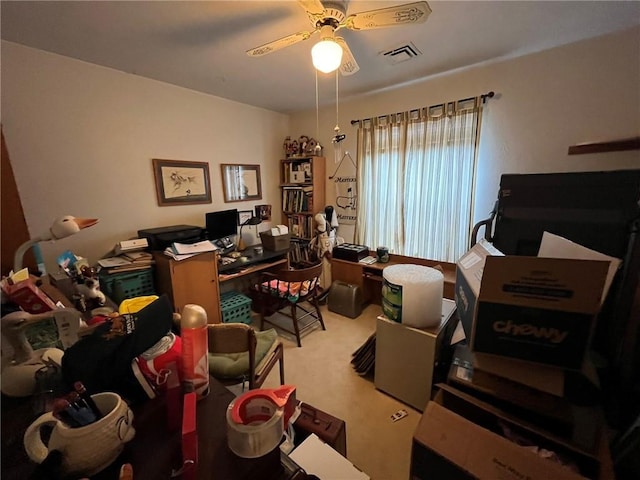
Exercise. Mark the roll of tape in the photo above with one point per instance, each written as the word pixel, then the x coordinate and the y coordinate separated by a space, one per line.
pixel 261 429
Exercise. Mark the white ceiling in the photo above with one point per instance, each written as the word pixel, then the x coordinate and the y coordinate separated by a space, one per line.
pixel 201 45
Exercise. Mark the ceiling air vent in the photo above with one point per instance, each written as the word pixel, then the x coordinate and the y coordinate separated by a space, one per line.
pixel 401 53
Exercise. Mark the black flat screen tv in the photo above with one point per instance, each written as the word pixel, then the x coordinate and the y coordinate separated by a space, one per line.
pixel 222 224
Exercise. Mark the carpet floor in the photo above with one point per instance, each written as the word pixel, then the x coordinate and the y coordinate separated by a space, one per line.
pixel 323 375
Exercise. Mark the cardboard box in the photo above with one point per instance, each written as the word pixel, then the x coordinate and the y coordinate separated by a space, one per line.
pixel 469 270
pixel 549 411
pixel 536 309
pixel 575 385
pixel 275 242
pixel 578 422
pixel 459 436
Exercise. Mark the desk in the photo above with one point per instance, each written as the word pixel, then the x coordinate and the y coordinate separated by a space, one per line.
pixel 369 277
pixel 254 260
pixel 153 452
pixel 198 279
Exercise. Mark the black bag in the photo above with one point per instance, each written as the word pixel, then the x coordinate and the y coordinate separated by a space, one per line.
pixel 102 360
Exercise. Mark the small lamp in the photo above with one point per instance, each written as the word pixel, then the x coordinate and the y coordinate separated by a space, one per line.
pixel 251 221
pixel 326 54
pixel 61 227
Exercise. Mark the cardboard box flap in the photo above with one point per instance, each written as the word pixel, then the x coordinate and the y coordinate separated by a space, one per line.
pixel 444 432
pixel 472 262
pixel 548 283
pixel 554 246
pixel 482 453
pixel 469 270
pixel 485 415
pixel 541 377
pixel 489 454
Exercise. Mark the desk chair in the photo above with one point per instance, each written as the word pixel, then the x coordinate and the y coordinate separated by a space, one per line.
pixel 238 353
pixel 288 289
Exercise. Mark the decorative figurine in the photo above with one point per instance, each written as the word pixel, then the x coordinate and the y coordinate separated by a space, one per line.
pixel 287 146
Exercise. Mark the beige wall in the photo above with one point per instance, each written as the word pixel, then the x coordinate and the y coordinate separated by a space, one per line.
pixel 588 91
pixel 81 139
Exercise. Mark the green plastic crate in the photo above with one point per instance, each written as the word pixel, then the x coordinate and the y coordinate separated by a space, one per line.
pixel 236 308
pixel 120 286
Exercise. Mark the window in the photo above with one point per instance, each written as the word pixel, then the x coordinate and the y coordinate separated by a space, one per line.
pixel 416 172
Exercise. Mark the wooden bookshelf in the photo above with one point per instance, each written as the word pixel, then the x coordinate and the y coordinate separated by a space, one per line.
pixel 302 184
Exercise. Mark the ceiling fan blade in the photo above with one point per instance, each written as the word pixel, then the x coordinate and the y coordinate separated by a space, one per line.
pixel 278 44
pixel 416 12
pixel 349 66
pixel 314 9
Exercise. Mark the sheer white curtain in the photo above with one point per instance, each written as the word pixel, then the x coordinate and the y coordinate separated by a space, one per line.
pixel 380 213
pixel 416 173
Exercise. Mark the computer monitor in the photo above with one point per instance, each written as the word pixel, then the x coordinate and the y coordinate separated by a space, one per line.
pixel 222 225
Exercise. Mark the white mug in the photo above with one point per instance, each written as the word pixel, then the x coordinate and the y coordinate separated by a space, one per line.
pixel 85 450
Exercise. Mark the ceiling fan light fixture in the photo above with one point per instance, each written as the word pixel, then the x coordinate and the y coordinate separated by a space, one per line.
pixel 327 53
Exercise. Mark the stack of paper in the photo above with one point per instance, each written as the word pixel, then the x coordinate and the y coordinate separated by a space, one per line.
pixel 127 262
pixel 319 459
pixel 112 262
pixel 170 253
pixel 182 251
pixel 198 247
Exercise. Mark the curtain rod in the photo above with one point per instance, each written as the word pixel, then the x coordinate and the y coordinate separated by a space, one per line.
pixel 483 97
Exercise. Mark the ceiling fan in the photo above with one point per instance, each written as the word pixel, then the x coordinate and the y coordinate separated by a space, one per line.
pixel 330 16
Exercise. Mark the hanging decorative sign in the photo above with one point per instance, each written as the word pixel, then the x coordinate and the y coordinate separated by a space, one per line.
pixel 344 179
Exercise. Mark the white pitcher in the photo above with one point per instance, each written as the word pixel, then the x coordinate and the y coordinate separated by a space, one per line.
pixel 89 449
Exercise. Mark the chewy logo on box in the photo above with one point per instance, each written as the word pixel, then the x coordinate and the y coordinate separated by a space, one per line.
pixel 538 309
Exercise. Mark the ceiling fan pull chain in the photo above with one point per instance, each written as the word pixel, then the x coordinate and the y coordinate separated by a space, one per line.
pixel 337 129
pixel 317 116
pixel 338 137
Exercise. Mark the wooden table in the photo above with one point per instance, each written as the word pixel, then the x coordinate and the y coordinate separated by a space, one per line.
pixel 154 451
pixel 369 277
pixel 200 279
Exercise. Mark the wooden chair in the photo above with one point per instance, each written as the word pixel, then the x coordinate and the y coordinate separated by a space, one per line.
pixel 284 292
pixel 234 349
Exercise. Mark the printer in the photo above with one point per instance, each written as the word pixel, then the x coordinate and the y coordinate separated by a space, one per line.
pixel 162 237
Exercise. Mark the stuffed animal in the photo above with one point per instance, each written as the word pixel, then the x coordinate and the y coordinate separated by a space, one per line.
pixel 302 144
pixel 322 242
pixel 89 286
